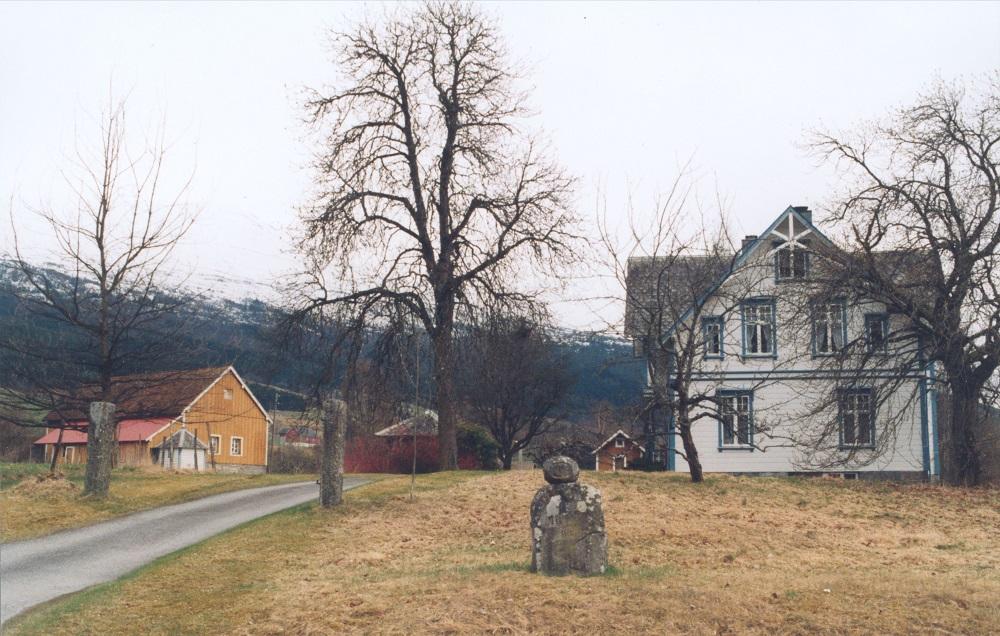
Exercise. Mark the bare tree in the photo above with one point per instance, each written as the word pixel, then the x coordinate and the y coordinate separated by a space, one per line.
pixel 428 194
pixel 920 204
pixel 671 268
pixel 104 311
pixel 514 382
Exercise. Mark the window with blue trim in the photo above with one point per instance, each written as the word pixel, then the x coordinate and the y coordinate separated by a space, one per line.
pixel 758 328
pixel 857 418
pixel 876 332
pixel 829 327
pixel 711 329
pixel 735 419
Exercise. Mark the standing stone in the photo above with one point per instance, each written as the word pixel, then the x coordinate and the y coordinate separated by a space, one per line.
pixel 102 445
pixel 331 480
pixel 567 523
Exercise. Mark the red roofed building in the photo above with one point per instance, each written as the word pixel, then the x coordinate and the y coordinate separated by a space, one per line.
pixel 213 407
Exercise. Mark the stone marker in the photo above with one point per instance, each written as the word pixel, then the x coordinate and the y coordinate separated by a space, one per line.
pixel 567 523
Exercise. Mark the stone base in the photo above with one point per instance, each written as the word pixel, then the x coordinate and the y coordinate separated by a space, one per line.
pixel 242 469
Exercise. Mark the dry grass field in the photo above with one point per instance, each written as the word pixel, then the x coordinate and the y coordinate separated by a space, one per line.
pixel 32 505
pixel 733 555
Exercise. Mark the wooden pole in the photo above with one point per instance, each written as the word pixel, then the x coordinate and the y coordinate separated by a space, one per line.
pixel 195 450
pixel 55 449
pixel 416 398
pixel 211 449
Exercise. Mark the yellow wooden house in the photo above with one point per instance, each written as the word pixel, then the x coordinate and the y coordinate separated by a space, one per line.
pixel 222 423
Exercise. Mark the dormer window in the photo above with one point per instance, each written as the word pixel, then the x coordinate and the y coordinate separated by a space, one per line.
pixel 791 264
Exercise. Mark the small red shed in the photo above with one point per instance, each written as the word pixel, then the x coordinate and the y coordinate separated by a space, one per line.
pixel 617 452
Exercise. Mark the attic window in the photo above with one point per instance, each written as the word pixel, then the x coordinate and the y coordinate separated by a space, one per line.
pixel 619 443
pixel 227 394
pixel 791 264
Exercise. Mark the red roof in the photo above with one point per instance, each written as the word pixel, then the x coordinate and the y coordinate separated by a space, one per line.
pixel 128 431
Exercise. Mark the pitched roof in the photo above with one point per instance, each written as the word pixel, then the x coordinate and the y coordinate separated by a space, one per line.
pixel 425 425
pixel 617 433
pixel 659 289
pixel 183 439
pixel 145 395
pixel 134 430
pixel 654 298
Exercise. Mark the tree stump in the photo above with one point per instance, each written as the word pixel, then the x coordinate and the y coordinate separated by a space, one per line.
pixel 567 524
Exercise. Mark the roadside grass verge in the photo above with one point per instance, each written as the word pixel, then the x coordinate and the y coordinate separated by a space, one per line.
pixel 733 555
pixel 31 509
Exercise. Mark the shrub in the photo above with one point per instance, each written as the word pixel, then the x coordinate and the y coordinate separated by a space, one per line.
pixel 295 459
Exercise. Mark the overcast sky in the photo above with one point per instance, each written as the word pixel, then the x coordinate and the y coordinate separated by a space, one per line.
pixel 627 92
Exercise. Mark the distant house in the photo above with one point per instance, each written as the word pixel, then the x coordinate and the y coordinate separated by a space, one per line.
pixel 617 452
pixel 211 408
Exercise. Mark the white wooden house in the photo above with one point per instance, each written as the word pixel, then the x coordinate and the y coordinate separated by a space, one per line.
pixel 768 367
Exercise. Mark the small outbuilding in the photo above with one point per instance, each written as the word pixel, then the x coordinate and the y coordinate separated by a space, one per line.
pixel 617 452
pixel 183 451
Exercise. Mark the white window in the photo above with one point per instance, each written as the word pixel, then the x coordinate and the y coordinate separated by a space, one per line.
pixel 227 394
pixel 856 418
pixel 214 443
pixel 758 327
pixel 619 442
pixel 69 453
pixel 236 446
pixel 736 418
pixel 829 327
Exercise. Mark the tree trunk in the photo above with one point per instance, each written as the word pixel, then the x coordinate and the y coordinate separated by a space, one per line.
pixel 331 483
pixel 650 442
pixel 55 450
pixel 694 463
pixel 444 376
pixel 507 459
pixel 963 454
pixel 101 444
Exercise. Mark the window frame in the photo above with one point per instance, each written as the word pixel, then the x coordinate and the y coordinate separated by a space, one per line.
pixel 228 394
pixel 736 394
pixel 232 439
pixel 881 318
pixel 791 252
pixel 841 416
pixel 217 441
pixel 619 442
pixel 772 307
pixel 707 323
pixel 824 306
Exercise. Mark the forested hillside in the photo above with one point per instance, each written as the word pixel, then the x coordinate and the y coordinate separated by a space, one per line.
pixel 221 331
